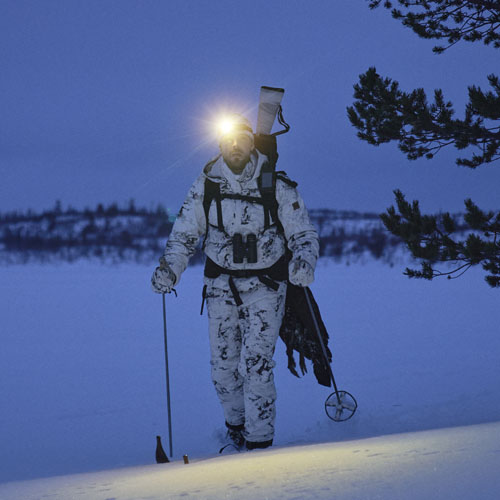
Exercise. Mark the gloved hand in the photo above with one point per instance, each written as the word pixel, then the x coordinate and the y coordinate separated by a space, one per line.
pixel 163 279
pixel 300 272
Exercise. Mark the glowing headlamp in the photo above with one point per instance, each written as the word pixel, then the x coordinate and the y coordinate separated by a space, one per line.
pixel 232 124
pixel 225 126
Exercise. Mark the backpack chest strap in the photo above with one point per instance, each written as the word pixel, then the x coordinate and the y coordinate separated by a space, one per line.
pixel 213 192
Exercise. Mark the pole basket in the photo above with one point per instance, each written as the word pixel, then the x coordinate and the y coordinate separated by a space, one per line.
pixel 340 406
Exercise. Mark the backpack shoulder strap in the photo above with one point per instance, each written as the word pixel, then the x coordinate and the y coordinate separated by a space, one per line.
pixel 212 192
pixel 267 188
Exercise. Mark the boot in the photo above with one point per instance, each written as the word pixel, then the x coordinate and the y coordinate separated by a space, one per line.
pixel 253 445
pixel 235 434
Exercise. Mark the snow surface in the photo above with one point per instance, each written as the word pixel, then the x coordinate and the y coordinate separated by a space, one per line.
pixel 458 463
pixel 83 389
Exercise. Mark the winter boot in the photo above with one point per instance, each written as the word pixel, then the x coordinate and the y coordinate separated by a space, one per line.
pixel 253 445
pixel 235 434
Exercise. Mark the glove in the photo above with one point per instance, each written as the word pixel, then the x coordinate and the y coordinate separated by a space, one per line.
pixel 163 279
pixel 300 272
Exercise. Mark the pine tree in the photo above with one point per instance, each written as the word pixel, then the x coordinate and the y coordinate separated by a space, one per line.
pixel 382 113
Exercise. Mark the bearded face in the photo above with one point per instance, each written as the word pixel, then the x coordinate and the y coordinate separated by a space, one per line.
pixel 236 149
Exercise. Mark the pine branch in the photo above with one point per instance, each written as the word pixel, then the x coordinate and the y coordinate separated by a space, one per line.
pixel 382 113
pixel 430 239
pixel 451 20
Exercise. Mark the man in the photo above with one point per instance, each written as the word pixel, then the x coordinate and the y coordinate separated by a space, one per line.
pixel 246 273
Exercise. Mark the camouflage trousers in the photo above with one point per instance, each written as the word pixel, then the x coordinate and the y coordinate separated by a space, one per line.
pixel 242 343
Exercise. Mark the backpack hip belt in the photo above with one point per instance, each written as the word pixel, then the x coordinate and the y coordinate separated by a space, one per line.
pixel 269 276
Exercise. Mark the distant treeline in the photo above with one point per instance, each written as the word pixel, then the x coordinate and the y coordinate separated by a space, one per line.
pixel 128 233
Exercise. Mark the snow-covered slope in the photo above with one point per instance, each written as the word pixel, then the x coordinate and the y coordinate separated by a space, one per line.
pixel 459 463
pixel 82 364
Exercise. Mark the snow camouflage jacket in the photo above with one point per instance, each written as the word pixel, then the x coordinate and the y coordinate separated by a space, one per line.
pixel 245 217
pixel 242 217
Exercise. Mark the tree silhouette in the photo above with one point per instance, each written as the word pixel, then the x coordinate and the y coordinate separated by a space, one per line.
pixel 382 113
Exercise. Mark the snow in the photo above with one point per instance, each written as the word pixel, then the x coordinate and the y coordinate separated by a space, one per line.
pixel 83 390
pixel 458 463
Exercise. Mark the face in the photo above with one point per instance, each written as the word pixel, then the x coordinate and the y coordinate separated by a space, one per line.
pixel 236 149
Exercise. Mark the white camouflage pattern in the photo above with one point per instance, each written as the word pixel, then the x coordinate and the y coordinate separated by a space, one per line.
pixel 243 339
pixel 242 342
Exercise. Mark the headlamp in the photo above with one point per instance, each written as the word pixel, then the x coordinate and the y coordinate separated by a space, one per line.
pixel 231 124
pixel 225 126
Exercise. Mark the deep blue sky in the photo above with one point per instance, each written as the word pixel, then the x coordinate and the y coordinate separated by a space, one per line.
pixel 104 101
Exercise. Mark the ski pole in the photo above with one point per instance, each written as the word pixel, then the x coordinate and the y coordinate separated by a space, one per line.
pixel 168 378
pixel 346 404
pixel 323 348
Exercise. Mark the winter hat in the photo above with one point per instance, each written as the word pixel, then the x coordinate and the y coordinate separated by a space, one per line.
pixel 232 123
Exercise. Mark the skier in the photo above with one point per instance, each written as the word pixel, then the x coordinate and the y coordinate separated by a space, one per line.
pixel 250 255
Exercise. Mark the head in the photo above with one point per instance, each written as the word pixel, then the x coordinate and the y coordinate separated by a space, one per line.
pixel 236 142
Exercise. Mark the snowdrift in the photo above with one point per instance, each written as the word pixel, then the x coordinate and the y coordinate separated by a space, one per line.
pixel 455 463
